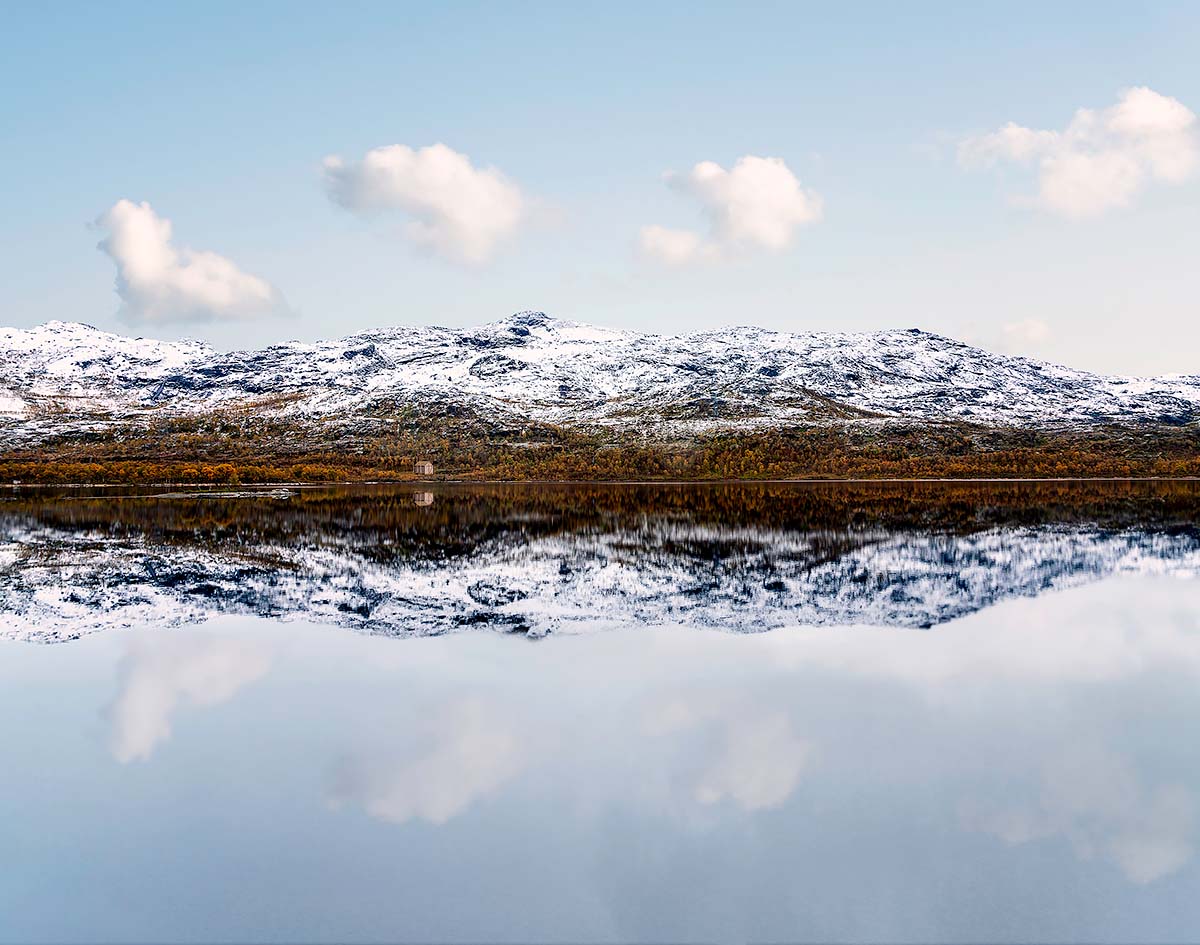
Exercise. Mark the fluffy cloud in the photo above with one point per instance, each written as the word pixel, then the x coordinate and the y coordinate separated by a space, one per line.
pixel 758 204
pixel 159 672
pixel 460 211
pixel 1102 159
pixel 674 247
pixel 158 282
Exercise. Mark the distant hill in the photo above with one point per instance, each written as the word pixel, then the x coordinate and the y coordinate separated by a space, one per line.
pixel 533 367
pixel 530 380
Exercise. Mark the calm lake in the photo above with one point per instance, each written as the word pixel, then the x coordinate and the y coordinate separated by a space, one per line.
pixel 931 712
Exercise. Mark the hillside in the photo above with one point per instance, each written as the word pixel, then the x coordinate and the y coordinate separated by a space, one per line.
pixel 530 383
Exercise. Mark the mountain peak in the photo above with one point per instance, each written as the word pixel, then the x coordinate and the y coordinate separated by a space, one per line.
pixel 60 327
pixel 523 323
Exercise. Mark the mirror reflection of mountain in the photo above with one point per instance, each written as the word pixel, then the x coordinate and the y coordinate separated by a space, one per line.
pixel 542 558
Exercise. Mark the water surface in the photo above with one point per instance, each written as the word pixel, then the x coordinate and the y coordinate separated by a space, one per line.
pixel 540 559
pixel 245 763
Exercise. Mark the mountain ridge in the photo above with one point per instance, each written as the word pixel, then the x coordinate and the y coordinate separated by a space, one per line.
pixel 530 367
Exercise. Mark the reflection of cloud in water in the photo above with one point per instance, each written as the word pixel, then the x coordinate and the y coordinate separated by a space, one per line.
pixel 1097 801
pixel 756 758
pixel 161 670
pixel 470 751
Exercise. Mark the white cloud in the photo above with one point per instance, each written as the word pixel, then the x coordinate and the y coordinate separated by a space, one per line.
pixel 1101 160
pixel 1012 142
pixel 758 204
pixel 158 282
pixel 461 212
pixel 674 247
pixel 472 751
pixel 160 672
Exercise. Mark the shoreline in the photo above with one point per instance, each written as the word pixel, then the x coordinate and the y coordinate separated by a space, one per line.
pixel 276 486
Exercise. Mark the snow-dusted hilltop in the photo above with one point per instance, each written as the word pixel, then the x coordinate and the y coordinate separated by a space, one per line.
pixel 536 368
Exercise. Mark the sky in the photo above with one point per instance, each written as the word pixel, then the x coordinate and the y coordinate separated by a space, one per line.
pixel 1025 177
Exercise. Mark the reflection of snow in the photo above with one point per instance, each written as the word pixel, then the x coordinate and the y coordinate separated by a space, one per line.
pixel 159 672
pixel 472 751
pixel 59 583
pixel 1097 801
pixel 757 758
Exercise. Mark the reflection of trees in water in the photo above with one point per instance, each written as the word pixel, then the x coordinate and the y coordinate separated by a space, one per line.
pixel 529 557
pixel 383 523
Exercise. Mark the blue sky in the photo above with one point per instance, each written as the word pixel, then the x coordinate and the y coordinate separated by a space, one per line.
pixel 220 118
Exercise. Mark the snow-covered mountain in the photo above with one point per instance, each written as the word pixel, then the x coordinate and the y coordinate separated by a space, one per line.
pixel 530 367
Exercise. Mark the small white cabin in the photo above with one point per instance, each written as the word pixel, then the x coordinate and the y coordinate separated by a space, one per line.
pixel 423 468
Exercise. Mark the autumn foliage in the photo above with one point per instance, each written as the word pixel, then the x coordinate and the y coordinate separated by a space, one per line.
pixel 271 452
